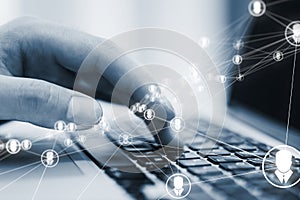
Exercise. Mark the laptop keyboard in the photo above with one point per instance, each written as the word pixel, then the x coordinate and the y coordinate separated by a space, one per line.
pixel 229 170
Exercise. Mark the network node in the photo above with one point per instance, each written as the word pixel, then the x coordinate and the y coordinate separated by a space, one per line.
pixel 103 125
pixel 68 142
pixel 237 59
pixel 279 166
pixel 277 56
pixel 60 125
pixel 177 124
pixel 149 114
pixel 13 146
pixel 2 145
pixel 71 127
pixel 257 8
pixel 141 108
pixel 292 33
pixel 26 145
pixel 81 139
pixel 238 45
pixel 125 139
pixel 204 42
pixel 222 78
pixel 49 158
pixel 178 186
pixel 133 108
pixel 240 77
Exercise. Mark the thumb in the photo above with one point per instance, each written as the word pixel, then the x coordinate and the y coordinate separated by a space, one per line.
pixel 43 103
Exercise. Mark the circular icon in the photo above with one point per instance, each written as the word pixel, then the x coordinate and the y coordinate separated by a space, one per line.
pixel 141 107
pixel 13 146
pixel 292 33
pixel 222 78
pixel 68 142
pixel 71 127
pixel 240 77
pixel 280 166
pixel 178 186
pixel 26 145
pixel 257 8
pixel 277 56
pixel 2 145
pixel 149 114
pixel 238 45
pixel 125 139
pixel 49 158
pixel 177 124
pixel 60 125
pixel 237 59
pixel 204 42
pixel 81 139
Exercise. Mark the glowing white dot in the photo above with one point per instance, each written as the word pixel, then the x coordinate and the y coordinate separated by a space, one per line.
pixel 257 8
pixel 238 45
pixel 60 125
pixel 237 59
pixel 222 78
pixel 277 56
pixel 68 142
pixel 149 114
pixel 125 139
pixel 177 124
pixel 141 108
pixel 26 145
pixel 204 42
pixel 13 146
pixel 240 77
pixel 71 127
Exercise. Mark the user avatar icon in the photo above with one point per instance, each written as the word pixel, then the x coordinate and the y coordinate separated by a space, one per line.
pixel 178 183
pixel 26 145
pixel 178 186
pixel 49 158
pixel 13 146
pixel 177 124
pixel 296 33
pixel 149 114
pixel 283 161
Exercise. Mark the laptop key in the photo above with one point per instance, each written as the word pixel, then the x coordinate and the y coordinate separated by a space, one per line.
pixel 193 163
pixel 255 161
pixel 205 171
pixel 223 159
pixel 213 152
pixel 240 166
pixel 189 155
pixel 245 155
pixel 243 147
pixel 233 140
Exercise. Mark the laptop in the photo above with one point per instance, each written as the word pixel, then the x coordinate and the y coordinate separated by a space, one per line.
pixel 100 167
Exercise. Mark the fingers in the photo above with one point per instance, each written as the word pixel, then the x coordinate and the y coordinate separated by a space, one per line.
pixel 43 103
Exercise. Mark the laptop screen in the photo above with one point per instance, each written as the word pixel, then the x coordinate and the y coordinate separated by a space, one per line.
pixel 266 87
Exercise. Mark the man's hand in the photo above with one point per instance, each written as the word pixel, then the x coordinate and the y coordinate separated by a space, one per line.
pixel 38 65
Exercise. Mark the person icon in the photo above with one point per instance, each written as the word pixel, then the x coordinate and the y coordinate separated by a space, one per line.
pixel 178 186
pixel 49 158
pixel 149 114
pixel 296 33
pixel 13 146
pixel 283 161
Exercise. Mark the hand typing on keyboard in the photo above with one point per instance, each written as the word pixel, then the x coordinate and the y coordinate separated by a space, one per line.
pixel 39 61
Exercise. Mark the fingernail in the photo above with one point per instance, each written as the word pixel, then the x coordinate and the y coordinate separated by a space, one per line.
pixel 84 110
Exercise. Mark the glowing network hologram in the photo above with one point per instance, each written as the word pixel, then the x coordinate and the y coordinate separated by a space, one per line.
pixel 13 146
pixel 26 145
pixel 240 77
pixel 257 8
pixel 278 166
pixel 178 186
pixel 50 158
